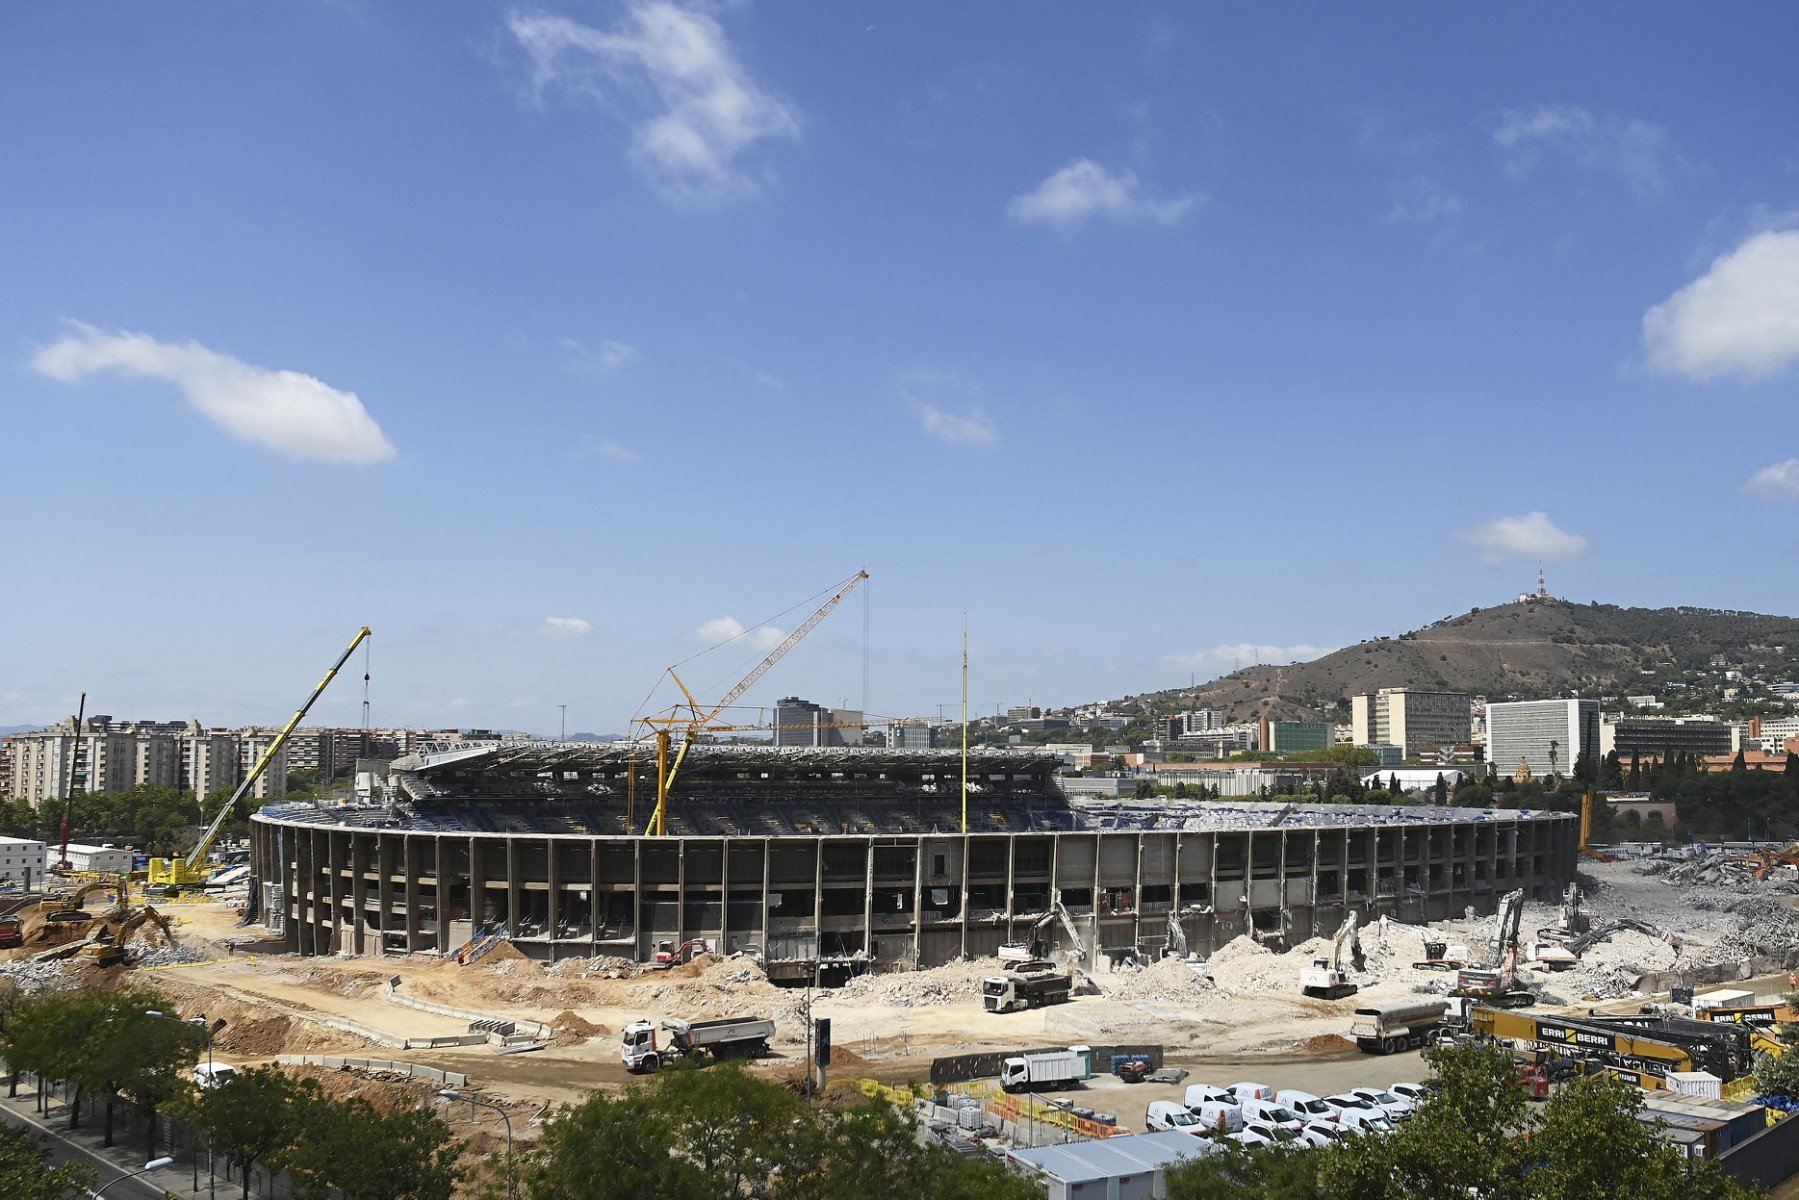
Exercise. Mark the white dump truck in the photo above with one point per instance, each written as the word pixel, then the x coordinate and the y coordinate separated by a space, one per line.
pixel 1045 1069
pixel 732 1037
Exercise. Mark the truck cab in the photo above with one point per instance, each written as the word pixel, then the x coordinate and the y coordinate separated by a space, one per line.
pixel 637 1047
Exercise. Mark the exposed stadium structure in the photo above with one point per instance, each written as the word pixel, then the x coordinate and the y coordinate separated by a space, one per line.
pixel 834 861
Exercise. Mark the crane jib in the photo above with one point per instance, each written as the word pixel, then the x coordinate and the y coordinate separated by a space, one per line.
pixel 268 755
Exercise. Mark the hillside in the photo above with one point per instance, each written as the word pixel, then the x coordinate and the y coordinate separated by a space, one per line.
pixel 1515 651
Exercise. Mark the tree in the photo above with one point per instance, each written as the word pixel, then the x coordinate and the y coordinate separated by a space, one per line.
pixel 1611 772
pixel 366 1154
pixel 1589 1145
pixel 1738 763
pixel 256 1116
pixel 26 1173
pixel 1275 1173
pixel 870 1151
pixel 1442 789
pixel 140 1056
pixel 1635 782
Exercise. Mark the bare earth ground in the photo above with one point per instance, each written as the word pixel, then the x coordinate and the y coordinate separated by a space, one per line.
pixel 1248 1022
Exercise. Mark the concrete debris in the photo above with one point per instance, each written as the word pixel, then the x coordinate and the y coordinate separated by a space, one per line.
pixel 29 975
pixel 921 989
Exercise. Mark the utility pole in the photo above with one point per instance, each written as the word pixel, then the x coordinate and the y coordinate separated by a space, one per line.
pixel 965 729
pixel 564 736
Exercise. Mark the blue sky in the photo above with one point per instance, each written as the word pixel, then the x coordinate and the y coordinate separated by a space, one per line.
pixel 551 341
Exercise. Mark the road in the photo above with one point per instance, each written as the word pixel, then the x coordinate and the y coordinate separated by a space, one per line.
pixel 109 1165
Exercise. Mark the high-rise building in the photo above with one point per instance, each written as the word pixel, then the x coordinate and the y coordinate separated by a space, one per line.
pixel 913 734
pixel 802 723
pixel 1547 736
pixel 1413 720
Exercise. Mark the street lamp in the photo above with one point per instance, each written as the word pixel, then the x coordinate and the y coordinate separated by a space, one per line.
pixel 155 1164
pixel 206 1031
pixel 453 1094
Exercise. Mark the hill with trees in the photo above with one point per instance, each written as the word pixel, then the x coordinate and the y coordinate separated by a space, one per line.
pixel 1523 650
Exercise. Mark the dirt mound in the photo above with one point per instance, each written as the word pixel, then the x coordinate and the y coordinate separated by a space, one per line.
pixel 503 951
pixel 570 1023
pixel 1326 1043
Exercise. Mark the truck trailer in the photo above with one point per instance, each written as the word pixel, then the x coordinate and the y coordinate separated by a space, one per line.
pixel 1390 1028
pixel 731 1037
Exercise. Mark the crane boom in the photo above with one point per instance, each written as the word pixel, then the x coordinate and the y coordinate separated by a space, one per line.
pixel 665 772
pixel 187 872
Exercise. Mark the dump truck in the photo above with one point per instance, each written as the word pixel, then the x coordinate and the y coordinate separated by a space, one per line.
pixel 731 1037
pixel 1390 1028
pixel 1029 984
pixel 1042 1069
pixel 12 932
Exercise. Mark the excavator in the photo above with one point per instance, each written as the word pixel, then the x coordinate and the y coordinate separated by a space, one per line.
pixel 68 908
pixel 1495 981
pixel 110 951
pixel 1326 979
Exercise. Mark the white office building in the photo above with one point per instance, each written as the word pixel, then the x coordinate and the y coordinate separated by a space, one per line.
pixel 108 859
pixel 1544 736
pixel 22 862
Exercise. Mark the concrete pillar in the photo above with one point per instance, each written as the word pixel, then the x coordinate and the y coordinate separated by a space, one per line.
pixel 513 902
pixel 359 888
pixel 410 852
pixel 868 897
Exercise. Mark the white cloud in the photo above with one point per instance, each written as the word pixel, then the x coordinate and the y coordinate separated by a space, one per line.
pixel 1778 482
pixel 1532 535
pixel 973 428
pixel 1422 201
pixel 1242 654
pixel 284 410
pixel 1083 190
pixel 725 629
pixel 672 75
pixel 1740 318
pixel 1636 151
pixel 595 447
pixel 608 357
pixel 565 627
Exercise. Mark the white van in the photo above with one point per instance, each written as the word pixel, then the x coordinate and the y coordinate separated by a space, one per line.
pixel 1396 1107
pixel 1272 1112
pixel 1365 1120
pixel 1218 1118
pixel 1251 1091
pixel 211 1075
pixel 1306 1105
pixel 1166 1114
pixel 1203 1093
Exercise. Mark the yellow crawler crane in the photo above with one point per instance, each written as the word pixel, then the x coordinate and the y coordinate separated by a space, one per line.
pixel 174 874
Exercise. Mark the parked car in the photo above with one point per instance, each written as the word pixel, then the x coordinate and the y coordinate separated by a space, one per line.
pixel 1319 1134
pixel 1395 1106
pixel 1272 1134
pixel 1306 1104
pixel 1251 1091
pixel 1258 1136
pixel 212 1075
pixel 1345 1102
pixel 1365 1120
pixel 1417 1093
pixel 1274 1113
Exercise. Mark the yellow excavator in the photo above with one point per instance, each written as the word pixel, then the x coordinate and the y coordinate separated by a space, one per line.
pixel 172 875
pixel 109 951
pixel 68 908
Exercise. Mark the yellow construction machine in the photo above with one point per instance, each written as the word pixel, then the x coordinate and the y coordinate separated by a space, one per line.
pixel 170 875
pixel 109 951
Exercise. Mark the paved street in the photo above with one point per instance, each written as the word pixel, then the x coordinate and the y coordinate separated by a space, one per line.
pixel 127 1155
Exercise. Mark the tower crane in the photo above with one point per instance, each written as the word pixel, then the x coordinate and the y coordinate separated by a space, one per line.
pixel 699 718
pixel 173 874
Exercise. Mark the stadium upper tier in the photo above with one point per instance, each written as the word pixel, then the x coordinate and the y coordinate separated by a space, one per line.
pixel 735 791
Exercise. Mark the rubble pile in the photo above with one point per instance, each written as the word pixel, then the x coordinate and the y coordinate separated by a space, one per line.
pixel 146 954
pixel 1166 981
pixel 30 976
pixel 948 984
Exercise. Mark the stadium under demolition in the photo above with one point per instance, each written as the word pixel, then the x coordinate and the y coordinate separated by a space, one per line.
pixel 828 862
